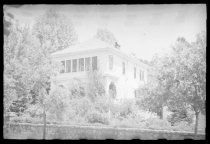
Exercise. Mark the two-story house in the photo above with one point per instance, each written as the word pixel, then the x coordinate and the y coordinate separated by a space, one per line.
pixel 125 72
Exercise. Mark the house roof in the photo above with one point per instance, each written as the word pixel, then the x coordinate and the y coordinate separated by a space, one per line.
pixel 91 44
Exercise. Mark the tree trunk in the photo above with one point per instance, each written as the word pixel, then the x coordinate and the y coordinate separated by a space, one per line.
pixel 44 122
pixel 196 122
pixel 109 114
pixel 161 113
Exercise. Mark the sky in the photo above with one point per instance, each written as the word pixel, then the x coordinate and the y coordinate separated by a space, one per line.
pixel 140 29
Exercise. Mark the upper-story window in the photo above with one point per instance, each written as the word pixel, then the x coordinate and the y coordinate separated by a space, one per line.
pixel 63 67
pixel 81 64
pixel 141 75
pixel 74 65
pixel 110 62
pixel 87 64
pixel 68 66
pixel 94 63
pixel 134 72
pixel 123 67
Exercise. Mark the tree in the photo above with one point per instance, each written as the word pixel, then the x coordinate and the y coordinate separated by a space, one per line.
pixel 8 18
pixel 179 79
pixel 190 70
pixel 156 92
pixel 54 31
pixel 43 75
pixel 108 37
pixel 28 70
pixel 17 74
pixel 7 21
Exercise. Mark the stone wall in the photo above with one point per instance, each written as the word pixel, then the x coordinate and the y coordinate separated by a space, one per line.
pixel 96 132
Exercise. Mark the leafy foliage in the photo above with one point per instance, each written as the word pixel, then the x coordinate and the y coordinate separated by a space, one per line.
pixel 181 115
pixel 58 101
pixel 108 37
pixel 179 80
pixel 17 72
pixel 157 91
pixel 54 31
pixel 29 69
pixel 8 19
pixel 96 117
pixel 77 88
pixel 95 85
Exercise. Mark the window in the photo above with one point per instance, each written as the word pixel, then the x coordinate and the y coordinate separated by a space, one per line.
pixel 87 64
pixel 94 63
pixel 123 67
pixel 135 93
pixel 134 72
pixel 110 62
pixel 140 74
pixel 74 65
pixel 81 64
pixel 143 75
pixel 63 67
pixel 68 66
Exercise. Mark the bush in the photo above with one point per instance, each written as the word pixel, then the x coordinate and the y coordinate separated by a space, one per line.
pixel 80 106
pixel 122 109
pixel 18 106
pixel 96 117
pixel 34 111
pixel 76 88
pixel 183 126
pixel 58 102
pixel 159 124
pixel 95 85
pixel 102 105
pixel 180 116
pixel 26 119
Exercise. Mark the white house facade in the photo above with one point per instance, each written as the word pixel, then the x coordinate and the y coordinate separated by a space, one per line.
pixel 124 71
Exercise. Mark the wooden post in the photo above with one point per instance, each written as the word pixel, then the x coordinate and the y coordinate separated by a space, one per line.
pixel 44 121
pixel 196 123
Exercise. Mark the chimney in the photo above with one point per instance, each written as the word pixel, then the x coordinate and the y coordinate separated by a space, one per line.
pixel 117 45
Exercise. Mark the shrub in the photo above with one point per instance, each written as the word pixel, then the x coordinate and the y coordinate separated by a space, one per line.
pixel 183 126
pixel 180 116
pixel 122 109
pixel 81 106
pixel 156 123
pixel 8 116
pixel 102 104
pixel 34 110
pixel 58 102
pixel 96 117
pixel 95 85
pixel 26 119
pixel 76 88
pixel 18 106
